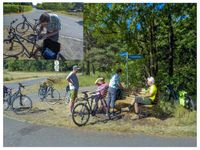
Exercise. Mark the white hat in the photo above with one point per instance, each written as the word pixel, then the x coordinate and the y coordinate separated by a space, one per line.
pixel 151 79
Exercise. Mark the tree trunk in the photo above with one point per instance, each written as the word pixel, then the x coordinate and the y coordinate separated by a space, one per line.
pixel 93 69
pixel 88 68
pixel 171 44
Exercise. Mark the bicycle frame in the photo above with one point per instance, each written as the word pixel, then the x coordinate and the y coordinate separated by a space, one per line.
pixel 12 97
pixel 172 92
pixel 33 26
pixel 88 101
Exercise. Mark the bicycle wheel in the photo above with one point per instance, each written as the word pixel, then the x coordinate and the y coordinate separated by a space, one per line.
pixel 11 48
pixel 37 54
pixel 52 97
pixel 191 105
pixel 104 108
pixel 67 97
pixel 80 114
pixel 22 28
pixel 21 104
pixel 41 93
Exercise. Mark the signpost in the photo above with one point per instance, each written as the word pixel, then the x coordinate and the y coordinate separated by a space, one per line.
pixel 131 57
pixel 56 65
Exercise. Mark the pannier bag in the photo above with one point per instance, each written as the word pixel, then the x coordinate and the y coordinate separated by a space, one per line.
pixel 50 49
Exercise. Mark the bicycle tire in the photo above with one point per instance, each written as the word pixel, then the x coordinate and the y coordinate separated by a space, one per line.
pixel 67 97
pixel 20 26
pixel 37 54
pixel 191 105
pixel 76 112
pixel 41 93
pixel 22 109
pixel 5 105
pixel 54 98
pixel 14 49
pixel 105 110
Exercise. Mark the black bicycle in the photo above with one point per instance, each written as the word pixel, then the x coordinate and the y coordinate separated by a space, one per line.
pixel 24 26
pixel 48 94
pixel 86 107
pixel 17 102
pixel 173 97
pixel 14 45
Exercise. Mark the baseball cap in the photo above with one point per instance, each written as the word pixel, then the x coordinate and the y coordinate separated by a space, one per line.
pixel 75 67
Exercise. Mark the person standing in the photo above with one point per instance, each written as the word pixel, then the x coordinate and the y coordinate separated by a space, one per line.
pixel 114 85
pixel 73 86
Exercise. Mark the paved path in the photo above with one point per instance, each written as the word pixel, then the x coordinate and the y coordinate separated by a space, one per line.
pixel 71 34
pixel 28 135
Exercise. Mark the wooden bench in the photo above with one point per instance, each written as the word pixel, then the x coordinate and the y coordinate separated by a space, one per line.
pixel 146 110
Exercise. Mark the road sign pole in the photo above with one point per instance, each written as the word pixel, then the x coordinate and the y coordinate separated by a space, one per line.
pixel 127 70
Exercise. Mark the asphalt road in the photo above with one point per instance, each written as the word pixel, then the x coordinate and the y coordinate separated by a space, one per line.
pixel 23 134
pixel 71 34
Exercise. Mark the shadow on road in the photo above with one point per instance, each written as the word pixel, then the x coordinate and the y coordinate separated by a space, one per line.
pixel 80 23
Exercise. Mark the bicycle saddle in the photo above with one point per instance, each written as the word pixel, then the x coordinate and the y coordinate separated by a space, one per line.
pixel 21 85
pixel 35 19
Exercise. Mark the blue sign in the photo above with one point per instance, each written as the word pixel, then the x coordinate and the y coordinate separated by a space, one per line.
pixel 132 57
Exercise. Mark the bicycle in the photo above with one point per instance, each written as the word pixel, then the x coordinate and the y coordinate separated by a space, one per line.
pixel 82 110
pixel 173 97
pixel 13 45
pixel 48 94
pixel 67 95
pixel 24 26
pixel 19 103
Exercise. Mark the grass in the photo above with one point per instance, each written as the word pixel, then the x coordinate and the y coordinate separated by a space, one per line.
pixel 172 126
pixel 18 76
pixel 75 14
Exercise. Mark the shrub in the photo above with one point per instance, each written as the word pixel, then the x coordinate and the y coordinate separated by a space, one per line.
pixel 12 8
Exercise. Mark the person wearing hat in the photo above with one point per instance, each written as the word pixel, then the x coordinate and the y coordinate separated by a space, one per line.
pixel 73 86
pixel 147 99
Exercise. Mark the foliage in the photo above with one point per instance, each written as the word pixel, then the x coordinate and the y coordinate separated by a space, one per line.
pixel 60 6
pixel 165 34
pixel 16 7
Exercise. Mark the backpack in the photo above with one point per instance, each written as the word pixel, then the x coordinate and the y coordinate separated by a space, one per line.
pixel 50 49
pixel 182 99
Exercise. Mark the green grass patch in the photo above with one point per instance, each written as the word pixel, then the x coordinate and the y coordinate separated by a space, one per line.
pixel 73 14
pixel 17 76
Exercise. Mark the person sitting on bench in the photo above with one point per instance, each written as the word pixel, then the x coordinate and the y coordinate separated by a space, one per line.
pixel 148 99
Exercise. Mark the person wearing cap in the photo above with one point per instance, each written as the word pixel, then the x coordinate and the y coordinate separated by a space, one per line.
pixel 147 99
pixel 73 86
pixel 52 24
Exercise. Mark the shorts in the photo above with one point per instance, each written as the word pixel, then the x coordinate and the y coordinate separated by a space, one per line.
pixel 73 95
pixel 143 100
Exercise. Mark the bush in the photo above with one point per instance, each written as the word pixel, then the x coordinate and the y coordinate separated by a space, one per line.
pixel 12 8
